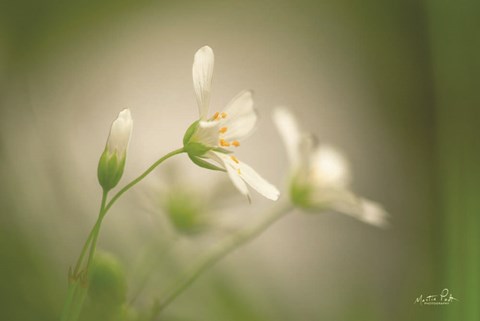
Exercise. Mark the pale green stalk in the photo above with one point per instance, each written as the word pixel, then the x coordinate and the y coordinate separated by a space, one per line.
pixel 76 290
pixel 139 178
pixel 217 253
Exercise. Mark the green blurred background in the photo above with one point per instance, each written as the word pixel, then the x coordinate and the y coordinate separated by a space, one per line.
pixel 394 84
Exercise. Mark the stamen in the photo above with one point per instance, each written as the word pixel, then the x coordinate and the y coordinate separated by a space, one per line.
pixel 223 130
pixel 224 115
pixel 239 172
pixel 236 143
pixel 224 143
pixel 215 116
pixel 234 159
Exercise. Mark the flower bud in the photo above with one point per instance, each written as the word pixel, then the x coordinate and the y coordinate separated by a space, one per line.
pixel 108 286
pixel 112 161
pixel 186 211
pixel 107 290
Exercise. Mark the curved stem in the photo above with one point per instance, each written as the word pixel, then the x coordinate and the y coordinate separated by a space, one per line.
pixel 229 245
pixel 139 178
pixel 76 290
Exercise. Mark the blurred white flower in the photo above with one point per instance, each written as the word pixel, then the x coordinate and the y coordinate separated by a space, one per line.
pixel 211 138
pixel 321 175
pixel 191 208
pixel 112 161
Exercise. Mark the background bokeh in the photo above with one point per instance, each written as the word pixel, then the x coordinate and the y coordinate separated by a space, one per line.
pixel 393 84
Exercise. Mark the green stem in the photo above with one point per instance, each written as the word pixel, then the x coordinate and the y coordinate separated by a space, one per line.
pixel 90 236
pixel 69 300
pixel 217 253
pixel 76 290
pixel 139 178
pixel 96 232
pixel 78 299
pixel 83 252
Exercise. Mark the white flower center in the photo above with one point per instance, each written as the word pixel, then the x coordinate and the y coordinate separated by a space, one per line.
pixel 221 118
pixel 329 168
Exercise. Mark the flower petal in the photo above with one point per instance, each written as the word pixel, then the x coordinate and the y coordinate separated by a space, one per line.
pixel 241 116
pixel 364 210
pixel 231 171
pixel 373 213
pixel 120 133
pixel 241 104
pixel 329 168
pixel 202 72
pixel 289 131
pixel 257 182
pixel 207 133
pixel 239 170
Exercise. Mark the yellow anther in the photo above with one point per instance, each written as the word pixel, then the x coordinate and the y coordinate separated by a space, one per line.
pixel 239 172
pixel 236 143
pixel 224 143
pixel 215 116
pixel 223 130
pixel 234 159
pixel 224 115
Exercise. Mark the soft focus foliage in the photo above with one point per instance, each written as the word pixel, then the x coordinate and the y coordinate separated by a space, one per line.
pixel 186 211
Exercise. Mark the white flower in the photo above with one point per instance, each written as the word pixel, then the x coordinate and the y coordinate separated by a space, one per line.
pixel 321 175
pixel 112 161
pixel 212 138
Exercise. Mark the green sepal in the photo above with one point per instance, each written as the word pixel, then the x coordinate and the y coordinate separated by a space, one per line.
pixel 301 197
pixel 196 149
pixel 110 170
pixel 222 150
pixel 202 163
pixel 189 133
pixel 300 194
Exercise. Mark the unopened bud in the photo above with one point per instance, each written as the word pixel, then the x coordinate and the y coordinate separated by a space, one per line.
pixel 112 161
